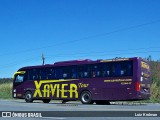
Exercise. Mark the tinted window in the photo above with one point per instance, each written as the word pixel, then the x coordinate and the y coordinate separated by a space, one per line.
pixel 112 69
pixel 96 71
pixel 43 74
pixel 107 70
pixel 50 73
pixel 34 74
pixel 58 73
pixel 74 72
pixel 117 69
pixel 19 78
pixel 84 71
pixel 66 72
pixel 126 69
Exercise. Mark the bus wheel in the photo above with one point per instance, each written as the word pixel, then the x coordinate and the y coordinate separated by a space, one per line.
pixel 28 97
pixel 86 97
pixel 46 100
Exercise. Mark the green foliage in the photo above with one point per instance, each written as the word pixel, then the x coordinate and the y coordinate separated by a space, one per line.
pixel 155 71
pixel 6 91
pixel 155 92
pixel 6 88
pixel 155 81
pixel 5 80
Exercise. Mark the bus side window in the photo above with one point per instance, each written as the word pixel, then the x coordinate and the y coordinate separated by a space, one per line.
pixel 33 74
pixel 106 70
pixel 58 73
pixel 43 75
pixel 116 67
pixel 84 71
pixel 50 74
pixel 66 73
pixel 113 70
pixel 36 74
pixel 74 72
pixel 30 74
pixel 80 72
pixel 123 69
pixel 120 69
pixel 96 71
pixel 130 69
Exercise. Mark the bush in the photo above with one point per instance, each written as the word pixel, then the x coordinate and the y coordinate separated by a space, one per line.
pixel 6 90
pixel 155 92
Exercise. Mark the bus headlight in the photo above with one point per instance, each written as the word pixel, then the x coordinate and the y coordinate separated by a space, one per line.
pixel 14 95
pixel 14 90
pixel 141 79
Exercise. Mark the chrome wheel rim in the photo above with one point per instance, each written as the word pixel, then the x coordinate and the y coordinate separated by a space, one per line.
pixel 85 97
pixel 28 96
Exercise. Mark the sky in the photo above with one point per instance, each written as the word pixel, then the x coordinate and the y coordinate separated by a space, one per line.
pixel 76 29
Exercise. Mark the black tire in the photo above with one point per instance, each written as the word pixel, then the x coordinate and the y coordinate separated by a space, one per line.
pixel 102 102
pixel 29 97
pixel 86 97
pixel 46 100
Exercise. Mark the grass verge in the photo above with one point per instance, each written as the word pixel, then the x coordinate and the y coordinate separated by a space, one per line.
pixel 155 93
pixel 6 91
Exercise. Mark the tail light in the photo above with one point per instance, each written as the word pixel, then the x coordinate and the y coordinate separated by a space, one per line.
pixel 138 86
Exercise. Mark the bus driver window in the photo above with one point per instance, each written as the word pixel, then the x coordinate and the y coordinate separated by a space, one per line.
pixel 19 78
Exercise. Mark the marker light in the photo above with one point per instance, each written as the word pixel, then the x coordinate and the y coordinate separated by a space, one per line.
pixel 138 86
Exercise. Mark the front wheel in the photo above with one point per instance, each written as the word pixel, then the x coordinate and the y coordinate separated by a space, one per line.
pixel 46 100
pixel 86 97
pixel 29 97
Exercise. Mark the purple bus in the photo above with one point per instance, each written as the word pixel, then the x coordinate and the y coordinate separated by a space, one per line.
pixel 100 81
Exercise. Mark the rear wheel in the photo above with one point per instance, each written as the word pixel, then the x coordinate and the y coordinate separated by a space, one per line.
pixel 46 100
pixel 86 97
pixel 29 97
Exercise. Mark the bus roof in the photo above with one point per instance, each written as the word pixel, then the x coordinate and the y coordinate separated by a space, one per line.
pixel 78 62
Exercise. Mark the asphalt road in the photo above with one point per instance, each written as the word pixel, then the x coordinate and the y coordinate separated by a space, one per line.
pixel 21 106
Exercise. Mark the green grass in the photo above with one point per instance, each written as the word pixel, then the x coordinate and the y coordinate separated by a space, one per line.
pixel 155 93
pixel 5 90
